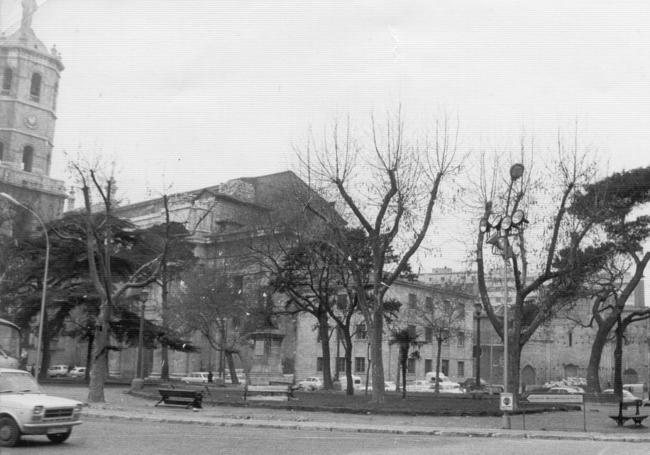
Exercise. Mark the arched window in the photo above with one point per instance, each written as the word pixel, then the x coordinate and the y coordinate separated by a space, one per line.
pixel 55 94
pixel 35 89
pixel 6 79
pixel 28 158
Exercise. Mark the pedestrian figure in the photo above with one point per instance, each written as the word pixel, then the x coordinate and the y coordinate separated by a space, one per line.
pixel 210 376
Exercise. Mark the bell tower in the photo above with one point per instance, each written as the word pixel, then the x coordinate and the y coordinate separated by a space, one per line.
pixel 29 78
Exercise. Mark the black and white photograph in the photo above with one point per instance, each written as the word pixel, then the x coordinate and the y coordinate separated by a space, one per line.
pixel 342 227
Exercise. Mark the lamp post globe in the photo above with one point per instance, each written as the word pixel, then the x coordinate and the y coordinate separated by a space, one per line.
pixel 516 171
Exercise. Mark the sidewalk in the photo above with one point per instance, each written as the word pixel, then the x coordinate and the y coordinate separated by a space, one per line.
pixel 553 425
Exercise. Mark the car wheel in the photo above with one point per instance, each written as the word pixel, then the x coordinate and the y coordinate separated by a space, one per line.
pixel 58 438
pixel 9 432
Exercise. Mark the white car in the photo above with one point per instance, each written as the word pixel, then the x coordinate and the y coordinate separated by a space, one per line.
pixel 26 410
pixel 56 371
pixel 311 383
pixel 196 377
pixel 77 372
pixel 419 386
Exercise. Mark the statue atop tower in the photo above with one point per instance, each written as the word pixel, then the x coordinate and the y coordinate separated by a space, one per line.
pixel 29 8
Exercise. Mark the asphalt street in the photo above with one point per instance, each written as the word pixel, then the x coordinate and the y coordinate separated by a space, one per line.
pixel 115 437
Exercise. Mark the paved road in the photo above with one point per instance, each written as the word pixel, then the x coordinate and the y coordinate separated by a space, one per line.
pixel 112 437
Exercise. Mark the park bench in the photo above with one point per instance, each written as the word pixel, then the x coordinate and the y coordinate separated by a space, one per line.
pixel 621 418
pixel 182 397
pixel 268 392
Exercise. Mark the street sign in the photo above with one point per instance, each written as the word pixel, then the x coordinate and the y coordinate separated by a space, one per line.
pixel 506 402
pixel 554 398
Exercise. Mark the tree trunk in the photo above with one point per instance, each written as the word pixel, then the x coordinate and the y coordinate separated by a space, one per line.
pixel 45 349
pixel 600 340
pixel 514 362
pixel 403 357
pixel 398 377
pixel 231 366
pixel 376 337
pixel 323 331
pixel 164 359
pixel 618 360
pixel 347 348
pixel 99 370
pixel 89 355
pixel 349 388
pixel 439 343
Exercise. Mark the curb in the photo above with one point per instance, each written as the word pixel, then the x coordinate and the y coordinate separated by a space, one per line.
pixel 420 431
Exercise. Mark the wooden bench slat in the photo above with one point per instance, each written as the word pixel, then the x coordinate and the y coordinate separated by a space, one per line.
pixel 181 397
pixel 268 392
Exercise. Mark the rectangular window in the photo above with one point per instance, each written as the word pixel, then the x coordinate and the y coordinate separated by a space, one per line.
pixel 446 307
pixel 340 364
pixel 237 282
pixel 461 339
pixel 319 364
pixel 412 332
pixel 259 347
pixel 410 366
pixel 428 334
pixel 342 301
pixel 412 302
pixel 445 367
pixel 461 369
pixel 359 364
pixel 460 308
pixel 428 365
pixel 361 332
pixel 428 304
pixel 444 334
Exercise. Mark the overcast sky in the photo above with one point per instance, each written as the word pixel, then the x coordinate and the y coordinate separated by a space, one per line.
pixel 193 93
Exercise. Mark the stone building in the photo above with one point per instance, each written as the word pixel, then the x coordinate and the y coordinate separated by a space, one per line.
pixel 230 225
pixel 30 76
pixel 456 353
pixel 559 349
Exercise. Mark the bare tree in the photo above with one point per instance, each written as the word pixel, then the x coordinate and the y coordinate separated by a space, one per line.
pixel 555 238
pixel 388 186
pixel 100 248
pixel 446 320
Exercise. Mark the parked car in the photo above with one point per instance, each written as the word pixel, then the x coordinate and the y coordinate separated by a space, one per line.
pixel 26 410
pixel 77 372
pixel 629 399
pixel 196 377
pixel 469 385
pixel 356 380
pixel 57 371
pixel 389 386
pixel 311 383
pixel 419 385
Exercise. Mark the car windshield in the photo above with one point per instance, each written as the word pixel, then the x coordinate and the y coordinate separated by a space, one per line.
pixel 18 382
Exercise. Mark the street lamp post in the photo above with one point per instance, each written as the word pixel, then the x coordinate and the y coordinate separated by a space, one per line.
pixel 39 343
pixel 143 299
pixel 503 225
pixel 478 309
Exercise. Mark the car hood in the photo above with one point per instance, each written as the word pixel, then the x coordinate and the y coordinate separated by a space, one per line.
pixel 37 399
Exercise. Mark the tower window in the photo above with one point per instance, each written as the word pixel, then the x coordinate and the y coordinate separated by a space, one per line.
pixel 55 95
pixel 6 80
pixel 35 89
pixel 28 158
